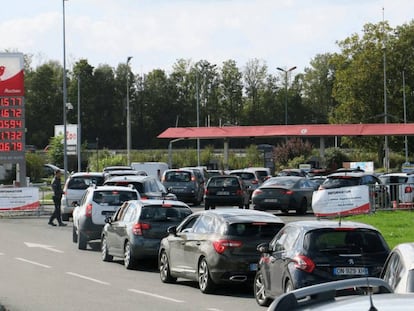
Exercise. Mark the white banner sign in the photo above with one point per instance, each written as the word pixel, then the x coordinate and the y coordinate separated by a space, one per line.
pixel 25 198
pixel 341 201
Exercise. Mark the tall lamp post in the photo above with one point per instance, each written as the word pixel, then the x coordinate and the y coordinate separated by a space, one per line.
pixel 79 141
pixel 286 89
pixel 128 123
pixel 65 154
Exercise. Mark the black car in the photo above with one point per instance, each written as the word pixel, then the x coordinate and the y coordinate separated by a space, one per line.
pixel 136 229
pixel 306 253
pixel 226 190
pixel 285 193
pixel 216 246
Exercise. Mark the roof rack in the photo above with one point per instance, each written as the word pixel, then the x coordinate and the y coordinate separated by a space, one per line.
pixel 325 292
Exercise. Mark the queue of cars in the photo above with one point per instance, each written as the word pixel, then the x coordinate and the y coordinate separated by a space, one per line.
pixel 234 245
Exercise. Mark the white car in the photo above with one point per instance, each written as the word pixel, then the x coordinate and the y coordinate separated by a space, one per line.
pixel 98 203
pixel 400 187
pixel 74 188
pixel 398 270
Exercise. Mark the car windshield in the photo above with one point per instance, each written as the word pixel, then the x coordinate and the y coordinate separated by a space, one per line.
pixel 161 213
pixel 343 241
pixel 113 198
pixel 255 230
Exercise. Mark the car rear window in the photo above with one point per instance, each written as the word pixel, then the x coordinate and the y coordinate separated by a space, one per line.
pixel 341 181
pixel 83 182
pixel 223 182
pixel 344 241
pixel 161 213
pixel 113 198
pixel 256 229
pixel 178 176
pixel 245 176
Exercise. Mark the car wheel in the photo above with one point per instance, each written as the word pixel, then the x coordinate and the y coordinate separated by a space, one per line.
pixel 129 260
pixel 165 272
pixel 288 286
pixel 74 235
pixel 259 290
pixel 104 250
pixel 303 207
pixel 205 282
pixel 82 241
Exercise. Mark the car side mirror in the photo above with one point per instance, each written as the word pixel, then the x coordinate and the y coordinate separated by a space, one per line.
pixel 75 203
pixel 108 220
pixel 263 248
pixel 172 230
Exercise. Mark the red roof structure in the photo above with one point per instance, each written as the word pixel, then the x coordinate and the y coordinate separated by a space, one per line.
pixel 309 130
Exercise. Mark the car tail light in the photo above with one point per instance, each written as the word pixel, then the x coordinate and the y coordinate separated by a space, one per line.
pixel 257 192
pixel 144 198
pixel 304 263
pixel 239 192
pixel 288 192
pixel 221 245
pixel 138 228
pixel 193 178
pixel 255 182
pixel 206 191
pixel 88 211
pixel 408 189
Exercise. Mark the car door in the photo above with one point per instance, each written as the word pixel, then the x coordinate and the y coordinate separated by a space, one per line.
pixel 280 258
pixel 119 229
pixel 177 243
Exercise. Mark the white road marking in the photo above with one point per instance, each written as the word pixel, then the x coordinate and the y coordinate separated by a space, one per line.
pixel 155 295
pixel 213 309
pixel 33 262
pixel 88 278
pixel 47 247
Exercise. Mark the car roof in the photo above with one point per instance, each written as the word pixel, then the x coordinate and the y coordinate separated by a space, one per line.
pixel 309 225
pixel 234 215
pixel 133 178
pixel 81 174
pixel 159 202
pixel 111 188
pixel 322 296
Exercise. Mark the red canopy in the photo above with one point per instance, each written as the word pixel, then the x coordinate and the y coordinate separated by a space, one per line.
pixel 374 129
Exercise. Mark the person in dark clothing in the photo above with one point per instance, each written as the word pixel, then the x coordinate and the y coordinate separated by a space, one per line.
pixel 57 196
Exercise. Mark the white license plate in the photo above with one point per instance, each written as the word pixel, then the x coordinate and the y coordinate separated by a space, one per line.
pixel 223 193
pixel 270 200
pixel 253 267
pixel 350 271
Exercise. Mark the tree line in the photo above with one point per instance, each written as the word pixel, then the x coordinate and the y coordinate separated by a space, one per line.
pixel 342 87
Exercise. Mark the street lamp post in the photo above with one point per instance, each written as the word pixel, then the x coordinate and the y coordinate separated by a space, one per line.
pixel 128 123
pixel 65 154
pixel 198 118
pixel 405 118
pixel 79 141
pixel 286 89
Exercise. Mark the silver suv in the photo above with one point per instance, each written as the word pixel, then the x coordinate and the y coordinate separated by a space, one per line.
pixel 74 188
pixel 98 203
pixel 185 184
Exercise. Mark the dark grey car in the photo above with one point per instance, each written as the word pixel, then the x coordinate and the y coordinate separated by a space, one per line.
pixel 185 184
pixel 136 229
pixel 216 246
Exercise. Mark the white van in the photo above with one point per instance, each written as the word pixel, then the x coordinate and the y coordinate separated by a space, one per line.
pixel 155 169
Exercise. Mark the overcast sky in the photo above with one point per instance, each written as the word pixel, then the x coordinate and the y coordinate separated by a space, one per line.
pixel 282 33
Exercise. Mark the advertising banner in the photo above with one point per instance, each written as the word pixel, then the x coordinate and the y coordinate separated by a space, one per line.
pixel 341 201
pixel 11 74
pixel 25 198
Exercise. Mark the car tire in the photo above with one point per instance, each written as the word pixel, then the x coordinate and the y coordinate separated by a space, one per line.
pixel 303 207
pixel 74 235
pixel 104 250
pixel 259 290
pixel 288 286
pixel 205 281
pixel 82 241
pixel 164 267
pixel 129 260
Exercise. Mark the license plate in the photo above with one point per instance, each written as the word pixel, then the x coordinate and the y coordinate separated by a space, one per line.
pixel 107 213
pixel 223 193
pixel 351 271
pixel 176 190
pixel 253 267
pixel 271 200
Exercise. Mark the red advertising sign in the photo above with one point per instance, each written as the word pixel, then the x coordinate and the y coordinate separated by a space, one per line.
pixel 11 74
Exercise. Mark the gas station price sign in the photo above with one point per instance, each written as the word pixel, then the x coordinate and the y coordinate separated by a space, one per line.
pixel 12 128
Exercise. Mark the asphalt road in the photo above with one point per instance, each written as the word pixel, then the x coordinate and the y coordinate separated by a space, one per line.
pixel 42 269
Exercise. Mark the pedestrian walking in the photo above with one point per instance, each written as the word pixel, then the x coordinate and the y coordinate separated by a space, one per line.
pixel 57 196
